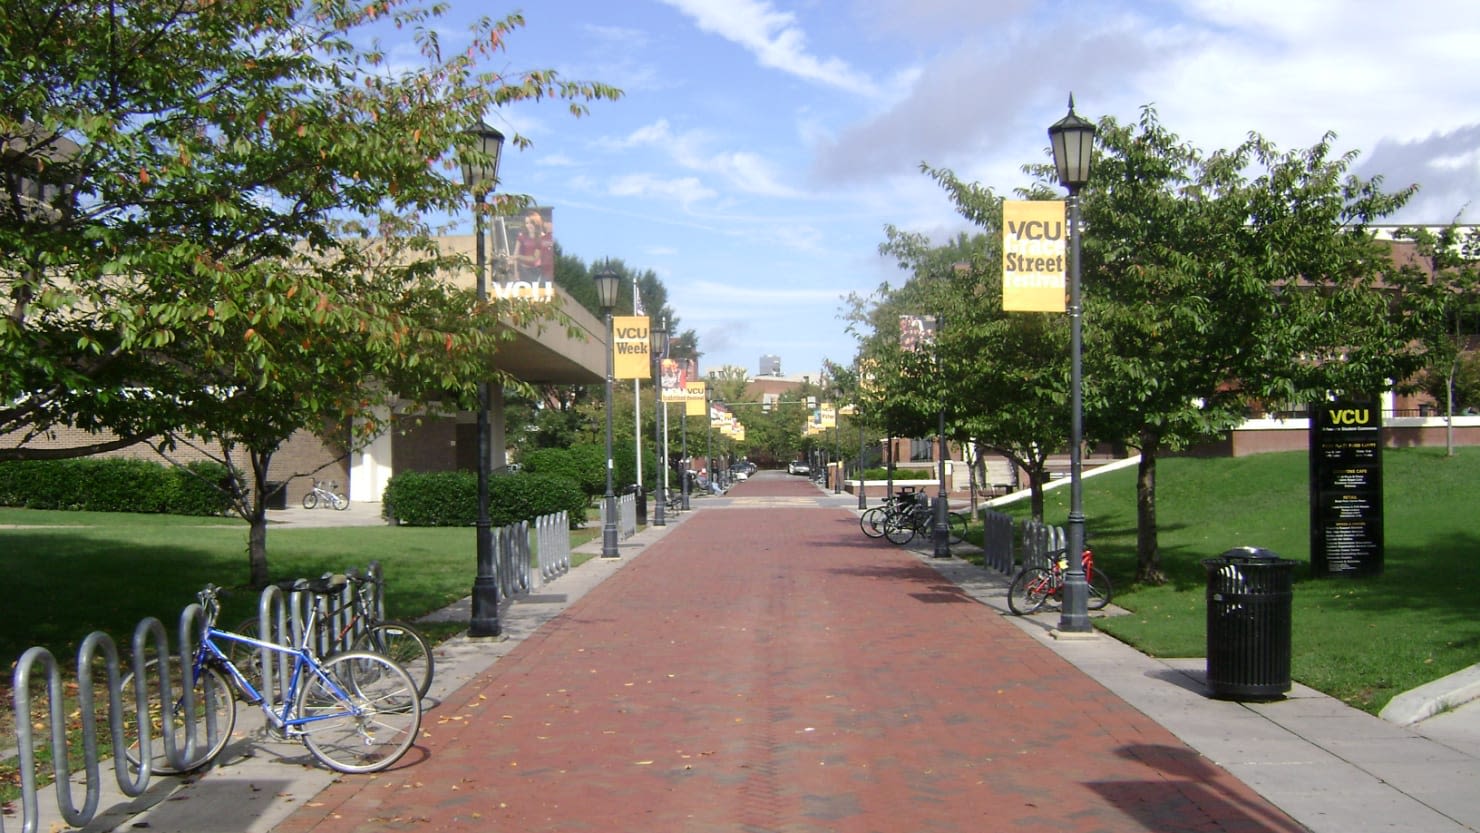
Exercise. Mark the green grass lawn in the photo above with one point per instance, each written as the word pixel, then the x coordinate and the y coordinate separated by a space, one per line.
pixel 1360 639
pixel 70 573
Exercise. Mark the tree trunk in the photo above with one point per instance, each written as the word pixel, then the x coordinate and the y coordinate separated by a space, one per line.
pixel 1148 556
pixel 258 576
pixel 1036 476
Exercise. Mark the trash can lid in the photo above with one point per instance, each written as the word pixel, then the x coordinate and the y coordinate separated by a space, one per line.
pixel 1249 553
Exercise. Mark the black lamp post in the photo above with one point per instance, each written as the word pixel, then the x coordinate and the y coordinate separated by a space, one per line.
pixel 941 528
pixel 607 284
pixel 480 173
pixel 1073 140
pixel 862 462
pixel 659 338
pixel 683 423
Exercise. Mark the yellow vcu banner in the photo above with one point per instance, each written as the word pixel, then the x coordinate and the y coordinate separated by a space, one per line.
pixel 1033 255
pixel 694 402
pixel 630 357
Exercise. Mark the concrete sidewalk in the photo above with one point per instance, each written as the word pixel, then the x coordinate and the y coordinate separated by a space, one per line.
pixel 758 665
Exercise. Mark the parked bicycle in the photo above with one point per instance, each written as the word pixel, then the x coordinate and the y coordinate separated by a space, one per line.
pixel 906 515
pixel 1037 586
pixel 356 711
pixel 362 629
pixel 323 493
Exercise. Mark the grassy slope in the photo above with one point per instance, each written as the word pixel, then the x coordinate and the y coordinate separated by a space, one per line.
pixel 1363 640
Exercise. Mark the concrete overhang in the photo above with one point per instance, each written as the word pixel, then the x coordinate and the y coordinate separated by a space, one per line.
pixel 567 348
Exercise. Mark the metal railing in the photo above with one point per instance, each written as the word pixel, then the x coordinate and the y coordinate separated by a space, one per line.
pixel 1039 541
pixel 997 541
pixel 626 514
pixel 552 545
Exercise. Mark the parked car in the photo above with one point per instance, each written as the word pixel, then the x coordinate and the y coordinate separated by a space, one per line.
pixel 798 467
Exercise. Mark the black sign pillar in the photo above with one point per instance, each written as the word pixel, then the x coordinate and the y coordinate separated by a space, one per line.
pixel 1346 489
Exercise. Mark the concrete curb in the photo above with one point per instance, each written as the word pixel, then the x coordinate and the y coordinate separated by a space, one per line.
pixel 1433 698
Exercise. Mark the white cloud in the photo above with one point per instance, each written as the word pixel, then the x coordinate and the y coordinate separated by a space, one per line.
pixel 682 190
pixel 774 38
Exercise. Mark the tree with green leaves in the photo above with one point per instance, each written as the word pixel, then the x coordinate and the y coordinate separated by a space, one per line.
pixel 1450 276
pixel 216 224
pixel 1215 280
pixel 1003 376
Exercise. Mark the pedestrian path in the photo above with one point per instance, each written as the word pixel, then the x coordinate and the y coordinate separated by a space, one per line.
pixel 759 665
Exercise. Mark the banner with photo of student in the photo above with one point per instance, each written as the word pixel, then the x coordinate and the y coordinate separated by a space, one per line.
pixel 676 375
pixel 916 332
pixel 524 255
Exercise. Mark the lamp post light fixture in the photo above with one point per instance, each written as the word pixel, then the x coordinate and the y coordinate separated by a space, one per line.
pixel 658 336
pixel 1073 141
pixel 480 174
pixel 607 284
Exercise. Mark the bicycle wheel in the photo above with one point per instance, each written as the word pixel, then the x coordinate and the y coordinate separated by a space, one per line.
pixel 404 644
pixel 1099 589
pixel 899 530
pixel 1030 590
pixel 872 522
pixel 340 503
pixel 310 500
pixel 958 524
pixel 366 720
pixel 213 721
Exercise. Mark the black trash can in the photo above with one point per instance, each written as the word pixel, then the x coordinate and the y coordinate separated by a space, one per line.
pixel 640 501
pixel 1249 593
pixel 276 495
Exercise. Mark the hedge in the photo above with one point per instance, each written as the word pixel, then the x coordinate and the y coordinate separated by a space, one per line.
pixel 450 498
pixel 114 485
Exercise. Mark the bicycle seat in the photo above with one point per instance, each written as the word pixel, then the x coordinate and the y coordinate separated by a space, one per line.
pixel 326 585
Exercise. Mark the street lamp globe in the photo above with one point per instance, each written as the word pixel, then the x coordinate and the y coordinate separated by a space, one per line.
pixel 480 169
pixel 607 284
pixel 1073 141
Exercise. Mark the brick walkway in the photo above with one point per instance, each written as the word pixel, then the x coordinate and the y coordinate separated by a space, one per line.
pixel 764 667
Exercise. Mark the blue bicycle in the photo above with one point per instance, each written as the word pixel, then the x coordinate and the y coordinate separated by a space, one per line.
pixel 356 712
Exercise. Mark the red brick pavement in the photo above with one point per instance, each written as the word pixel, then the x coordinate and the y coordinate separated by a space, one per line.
pixel 767 668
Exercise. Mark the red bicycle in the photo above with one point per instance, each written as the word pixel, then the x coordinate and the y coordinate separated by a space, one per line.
pixel 1037 586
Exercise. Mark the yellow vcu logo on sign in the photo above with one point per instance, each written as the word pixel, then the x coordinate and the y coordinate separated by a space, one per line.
pixel 1351 416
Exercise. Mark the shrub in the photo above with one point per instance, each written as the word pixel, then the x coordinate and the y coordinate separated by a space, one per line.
pixel 585 465
pixel 450 498
pixel 901 474
pixel 113 485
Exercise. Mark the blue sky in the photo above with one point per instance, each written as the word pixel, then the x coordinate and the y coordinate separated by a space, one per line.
pixel 762 146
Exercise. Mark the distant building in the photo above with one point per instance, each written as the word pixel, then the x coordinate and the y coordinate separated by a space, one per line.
pixel 770 366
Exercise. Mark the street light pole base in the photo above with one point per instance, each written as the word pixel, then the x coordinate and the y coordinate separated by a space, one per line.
pixel 484 621
pixel 1074 636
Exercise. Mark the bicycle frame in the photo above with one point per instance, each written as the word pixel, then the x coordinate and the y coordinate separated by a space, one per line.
pixel 303 660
